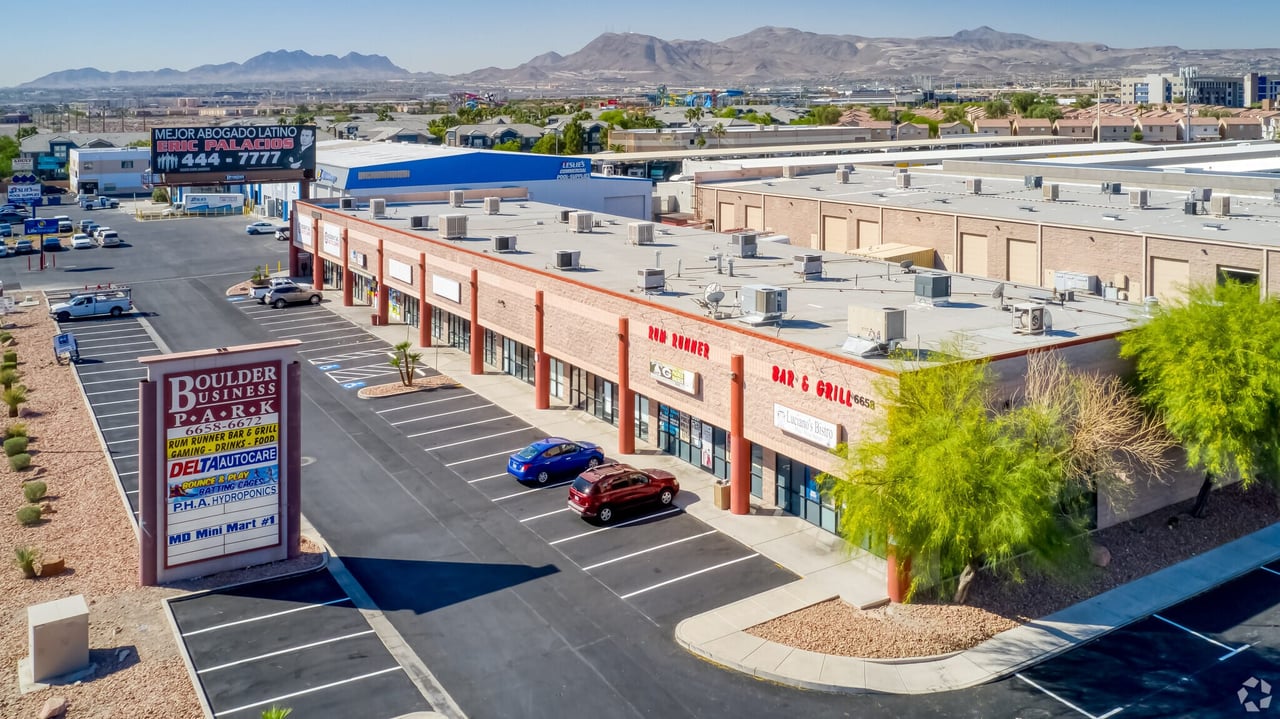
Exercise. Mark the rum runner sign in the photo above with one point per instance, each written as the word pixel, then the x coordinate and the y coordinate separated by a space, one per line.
pixel 220 451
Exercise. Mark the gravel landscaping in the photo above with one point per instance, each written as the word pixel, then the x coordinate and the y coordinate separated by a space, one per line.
pixel 139 671
pixel 928 627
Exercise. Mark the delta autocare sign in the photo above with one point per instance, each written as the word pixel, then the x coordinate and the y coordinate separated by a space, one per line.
pixel 222 460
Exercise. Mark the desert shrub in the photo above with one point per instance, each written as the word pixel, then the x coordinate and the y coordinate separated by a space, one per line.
pixel 25 558
pixel 19 462
pixel 29 514
pixel 10 356
pixel 34 491
pixel 15 445
pixel 17 429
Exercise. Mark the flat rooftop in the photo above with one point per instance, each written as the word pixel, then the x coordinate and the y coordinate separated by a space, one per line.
pixel 816 309
pixel 1253 220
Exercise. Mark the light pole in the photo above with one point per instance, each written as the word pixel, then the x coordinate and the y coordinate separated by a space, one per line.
pixel 1188 74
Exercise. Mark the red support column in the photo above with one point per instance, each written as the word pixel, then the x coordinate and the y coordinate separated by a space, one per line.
pixel 626 400
pixel 383 293
pixel 541 363
pixel 899 575
pixel 348 279
pixel 477 332
pixel 739 448
pixel 149 529
pixel 293 460
pixel 317 262
pixel 424 309
pixel 294 259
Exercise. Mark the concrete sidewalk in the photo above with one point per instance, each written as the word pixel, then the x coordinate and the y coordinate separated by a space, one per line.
pixel 830 567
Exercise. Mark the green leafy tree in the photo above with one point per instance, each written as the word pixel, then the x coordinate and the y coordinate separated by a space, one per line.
pixel 546 145
pixel 384 113
pixel 613 117
pixel 508 146
pixel 954 113
pixel 1045 111
pixel 996 109
pixel 757 119
pixel 953 485
pixel 1084 102
pixel 573 140
pixel 1022 101
pixel 825 114
pixel 26 131
pixel 139 143
pixel 439 126
pixel 1136 136
pixel 880 114
pixel 693 114
pixel 1210 366
pixel 727 113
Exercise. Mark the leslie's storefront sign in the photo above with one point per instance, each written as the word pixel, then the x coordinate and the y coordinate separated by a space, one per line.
pixel 807 427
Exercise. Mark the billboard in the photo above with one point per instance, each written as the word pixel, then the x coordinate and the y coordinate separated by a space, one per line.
pixel 219 455
pixel 244 153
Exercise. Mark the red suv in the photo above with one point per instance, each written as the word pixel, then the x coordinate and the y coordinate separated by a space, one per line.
pixel 601 492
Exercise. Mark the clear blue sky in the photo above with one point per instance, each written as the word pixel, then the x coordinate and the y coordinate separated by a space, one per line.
pixel 424 36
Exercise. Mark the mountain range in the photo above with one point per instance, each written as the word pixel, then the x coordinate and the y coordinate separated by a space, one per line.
pixel 764 55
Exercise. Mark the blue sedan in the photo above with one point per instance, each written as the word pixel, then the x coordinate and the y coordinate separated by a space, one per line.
pixel 553 457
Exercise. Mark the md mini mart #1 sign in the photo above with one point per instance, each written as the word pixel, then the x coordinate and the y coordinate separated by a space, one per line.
pixel 221 450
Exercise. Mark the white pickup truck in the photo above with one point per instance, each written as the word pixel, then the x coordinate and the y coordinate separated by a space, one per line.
pixel 113 302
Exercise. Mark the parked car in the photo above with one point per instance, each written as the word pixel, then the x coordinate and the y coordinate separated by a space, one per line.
pixel 97 233
pixel 113 302
pixel 52 190
pixel 110 238
pixel 4 250
pixel 283 234
pixel 91 228
pixel 553 457
pixel 600 493
pixel 51 243
pixel 11 216
pixel 256 228
pixel 22 247
pixel 81 241
pixel 260 293
pixel 290 294
pixel 6 230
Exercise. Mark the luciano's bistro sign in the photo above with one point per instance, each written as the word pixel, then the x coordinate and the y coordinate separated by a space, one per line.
pixel 807 427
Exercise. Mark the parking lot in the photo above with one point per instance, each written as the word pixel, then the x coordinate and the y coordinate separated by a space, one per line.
pixel 109 373
pixel 665 563
pixel 298 643
pixel 1212 655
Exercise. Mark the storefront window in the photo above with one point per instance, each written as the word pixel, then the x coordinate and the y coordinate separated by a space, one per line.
pixel 332 275
pixel 642 417
pixel 411 316
pixel 557 378
pixel 491 347
pixel 701 444
pixel 800 493
pixel 757 471
pixel 517 359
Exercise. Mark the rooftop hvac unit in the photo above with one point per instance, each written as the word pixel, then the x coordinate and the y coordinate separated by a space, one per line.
pixel 346 203
pixel 562 216
pixel 842 176
pixel 492 205
pixel 1032 182
pixel 933 288
pixel 1077 281
pixel 1112 188
pixel 640 233
pixel 1050 191
pixel 762 304
pixel 651 279
pixel 973 185
pixel 807 266
pixel 1028 319
pixel 378 208
pixel 609 169
pixel 904 180
pixel 743 244
pixel 420 222
pixel 789 171
pixel 667 204
pixel 1220 205
pixel 1139 199
pixel 877 324
pixel 581 221
pixel 457 198
pixel 1275 196
pixel 1190 207
pixel 504 243
pixel 568 259
pixel 1201 194
pixel 453 227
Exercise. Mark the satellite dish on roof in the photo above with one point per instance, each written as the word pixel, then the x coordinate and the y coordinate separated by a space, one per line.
pixel 713 294
pixel 998 292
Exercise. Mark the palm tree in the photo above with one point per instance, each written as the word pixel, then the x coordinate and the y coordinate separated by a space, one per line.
pixel 718 132
pixel 693 114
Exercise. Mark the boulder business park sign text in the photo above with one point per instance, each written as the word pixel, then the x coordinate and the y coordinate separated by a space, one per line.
pixel 218 461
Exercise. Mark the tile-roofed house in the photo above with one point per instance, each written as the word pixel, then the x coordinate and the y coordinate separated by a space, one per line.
pixel 880 129
pixel 1074 127
pixel 1203 129
pixel 1032 126
pixel 1158 128
pixel 1240 128
pixel 949 129
pixel 912 131
pixel 1115 129
pixel 992 127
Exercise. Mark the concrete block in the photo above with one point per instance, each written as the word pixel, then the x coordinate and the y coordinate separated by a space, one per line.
pixel 58 637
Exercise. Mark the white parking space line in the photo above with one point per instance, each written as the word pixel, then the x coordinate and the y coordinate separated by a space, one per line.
pixel 112 381
pixel 128 361
pixel 126 474
pixel 468 441
pixel 292 320
pixel 492 476
pixel 131 440
pixel 363 354
pixel 123 426
pixel 115 457
pixel 308 334
pixel 117 331
pixel 259 618
pixel 442 414
pixel 1068 704
pixel 423 404
pixel 349 355
pixel 312 645
pixel 115 401
pixel 597 565
pixel 131 491
pixel 483 456
pixel 111 371
pixel 531 491
pixel 470 424
pixel 637 520
pixel 544 514
pixel 110 343
pixel 330 685
pixel 329 340
pixel 109 391
pixel 109 354
pixel 1269 569
pixel 1231 651
pixel 690 575
pixel 313 322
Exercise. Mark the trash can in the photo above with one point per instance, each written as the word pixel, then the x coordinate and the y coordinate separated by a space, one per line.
pixel 720 492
